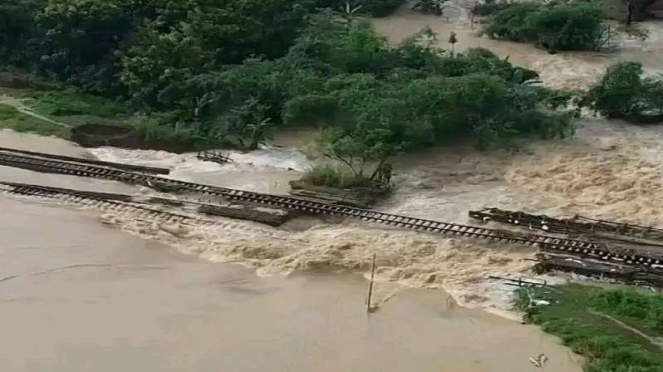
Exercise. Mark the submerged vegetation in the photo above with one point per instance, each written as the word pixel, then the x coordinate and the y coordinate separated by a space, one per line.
pixel 616 330
pixel 555 25
pixel 624 92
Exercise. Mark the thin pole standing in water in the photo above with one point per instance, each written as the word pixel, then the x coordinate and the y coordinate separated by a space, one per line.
pixel 370 286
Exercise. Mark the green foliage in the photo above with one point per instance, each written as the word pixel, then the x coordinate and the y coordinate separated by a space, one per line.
pixel 357 147
pixel 16 27
pixel 329 176
pixel 310 108
pixel 577 315
pixel 651 96
pixel 624 93
pixel 615 95
pixel 248 124
pixel 376 8
pixel 379 8
pixel 164 127
pixel 12 119
pixel 70 103
pixel 554 26
pixel 160 59
pixel 78 38
pixel 234 70
pixel 430 6
pixel 644 310
pixel 7 112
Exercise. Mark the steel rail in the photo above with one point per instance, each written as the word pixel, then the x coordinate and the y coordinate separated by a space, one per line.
pixel 573 246
pixel 131 167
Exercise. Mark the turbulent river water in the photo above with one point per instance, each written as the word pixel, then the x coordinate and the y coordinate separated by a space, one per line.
pixel 99 290
pixel 80 295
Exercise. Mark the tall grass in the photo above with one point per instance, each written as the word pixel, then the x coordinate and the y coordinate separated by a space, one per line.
pixel 577 316
pixel 329 176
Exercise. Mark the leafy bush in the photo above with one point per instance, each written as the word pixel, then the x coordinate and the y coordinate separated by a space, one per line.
pixel 234 70
pixel 431 6
pixel 554 26
pixel 376 8
pixel 624 93
pixel 310 108
pixel 330 176
pixel 7 112
pixel 70 103
pixel 163 127
pixel 615 95
pixel 16 28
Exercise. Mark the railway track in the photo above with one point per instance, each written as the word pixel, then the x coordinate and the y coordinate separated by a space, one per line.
pixel 554 244
pixel 130 167
pixel 114 202
pixel 576 225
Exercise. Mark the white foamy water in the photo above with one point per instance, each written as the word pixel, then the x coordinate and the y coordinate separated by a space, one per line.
pixel 574 176
pixel 268 169
pixel 267 157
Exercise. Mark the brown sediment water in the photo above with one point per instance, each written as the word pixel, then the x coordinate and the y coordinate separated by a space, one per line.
pixel 80 295
pixel 76 295
pixel 606 171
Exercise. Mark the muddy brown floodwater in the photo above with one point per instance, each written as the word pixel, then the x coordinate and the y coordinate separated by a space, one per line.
pixel 79 295
pixel 76 295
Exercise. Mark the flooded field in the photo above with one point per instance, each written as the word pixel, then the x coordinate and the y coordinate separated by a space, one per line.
pixel 569 70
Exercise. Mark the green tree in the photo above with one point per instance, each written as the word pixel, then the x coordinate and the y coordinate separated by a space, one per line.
pixel 160 59
pixel 17 28
pixel 78 38
pixel 359 148
pixel 615 96
pixel 431 6
pixel 555 25
pixel 248 124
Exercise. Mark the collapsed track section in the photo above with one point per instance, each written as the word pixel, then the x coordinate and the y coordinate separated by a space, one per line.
pixel 575 225
pixel 114 202
pixel 129 167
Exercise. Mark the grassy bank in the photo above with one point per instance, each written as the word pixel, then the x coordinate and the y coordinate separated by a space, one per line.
pixel 11 118
pixel 616 330
pixel 56 112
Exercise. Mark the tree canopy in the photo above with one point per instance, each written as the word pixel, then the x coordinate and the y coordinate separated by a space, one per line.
pixel 555 25
pixel 624 92
pixel 237 69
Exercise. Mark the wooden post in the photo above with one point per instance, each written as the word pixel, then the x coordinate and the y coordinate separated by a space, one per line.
pixel 370 286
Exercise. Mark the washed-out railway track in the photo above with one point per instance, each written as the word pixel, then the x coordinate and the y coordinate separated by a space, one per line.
pixel 581 248
pixel 114 202
pixel 130 167
pixel 575 225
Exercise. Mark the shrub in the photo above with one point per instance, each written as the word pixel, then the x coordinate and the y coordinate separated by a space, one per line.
pixel 7 112
pixel 376 8
pixel 616 94
pixel 70 103
pixel 431 6
pixel 16 27
pixel 310 109
pixel 554 26
pixel 330 176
